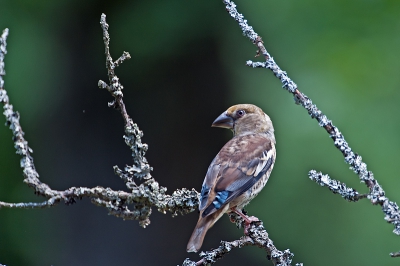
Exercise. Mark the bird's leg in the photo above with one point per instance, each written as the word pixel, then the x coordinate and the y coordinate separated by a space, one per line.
pixel 200 262
pixel 247 220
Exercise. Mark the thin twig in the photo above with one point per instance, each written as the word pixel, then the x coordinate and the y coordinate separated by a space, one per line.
pixel 31 205
pixel 395 254
pixel 336 187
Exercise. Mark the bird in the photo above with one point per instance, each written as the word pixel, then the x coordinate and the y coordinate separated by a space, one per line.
pixel 239 171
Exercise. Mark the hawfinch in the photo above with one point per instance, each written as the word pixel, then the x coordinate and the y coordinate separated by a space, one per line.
pixel 239 171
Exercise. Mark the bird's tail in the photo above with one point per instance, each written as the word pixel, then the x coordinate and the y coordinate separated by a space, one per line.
pixel 199 232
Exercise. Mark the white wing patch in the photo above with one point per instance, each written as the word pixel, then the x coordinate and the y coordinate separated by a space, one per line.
pixel 263 161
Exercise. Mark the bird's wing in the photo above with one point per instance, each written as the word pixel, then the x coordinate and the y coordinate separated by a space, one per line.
pixel 235 169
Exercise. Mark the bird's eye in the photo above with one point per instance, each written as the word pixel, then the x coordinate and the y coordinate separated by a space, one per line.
pixel 240 113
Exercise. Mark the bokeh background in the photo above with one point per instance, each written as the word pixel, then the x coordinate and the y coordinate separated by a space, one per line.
pixel 188 66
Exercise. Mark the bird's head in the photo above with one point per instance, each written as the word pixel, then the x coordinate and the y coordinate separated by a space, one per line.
pixel 245 119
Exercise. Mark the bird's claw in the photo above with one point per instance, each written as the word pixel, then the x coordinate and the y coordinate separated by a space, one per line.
pixel 247 223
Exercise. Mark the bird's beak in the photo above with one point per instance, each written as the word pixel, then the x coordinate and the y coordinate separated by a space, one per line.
pixel 223 121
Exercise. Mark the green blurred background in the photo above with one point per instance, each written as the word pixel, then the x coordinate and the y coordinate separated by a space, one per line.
pixel 188 66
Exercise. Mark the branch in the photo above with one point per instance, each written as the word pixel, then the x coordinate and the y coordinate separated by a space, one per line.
pixel 377 194
pixel 182 201
pixel 142 197
pixel 336 187
pixel 31 205
pixel 21 145
pixel 256 236
pixel 395 254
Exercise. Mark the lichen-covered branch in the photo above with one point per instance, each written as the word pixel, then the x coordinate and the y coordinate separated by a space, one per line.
pixel 395 254
pixel 133 135
pixel 335 186
pixel 377 194
pixel 3 52
pixel 133 205
pixel 21 145
pixel 149 192
pixel 31 205
pixel 256 236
